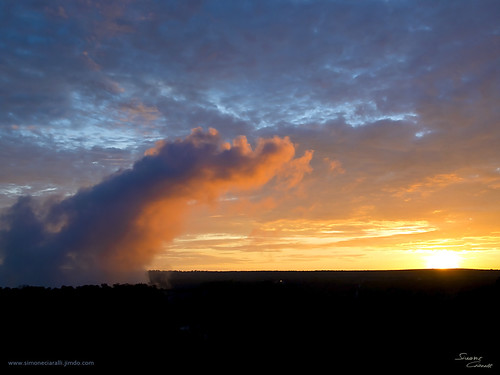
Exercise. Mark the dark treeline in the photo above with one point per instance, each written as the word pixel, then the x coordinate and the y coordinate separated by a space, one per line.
pixel 391 320
pixel 446 280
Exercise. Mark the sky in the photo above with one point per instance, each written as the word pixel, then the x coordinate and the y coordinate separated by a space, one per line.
pixel 363 135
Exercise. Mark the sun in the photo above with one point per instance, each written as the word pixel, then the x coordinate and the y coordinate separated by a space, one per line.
pixel 443 259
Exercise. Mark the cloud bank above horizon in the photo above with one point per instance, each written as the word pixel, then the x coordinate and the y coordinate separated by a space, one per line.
pixel 112 230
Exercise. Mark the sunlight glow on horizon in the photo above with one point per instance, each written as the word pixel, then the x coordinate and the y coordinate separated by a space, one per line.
pixel 310 244
pixel 443 259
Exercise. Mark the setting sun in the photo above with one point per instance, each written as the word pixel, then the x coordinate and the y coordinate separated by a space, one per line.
pixel 443 259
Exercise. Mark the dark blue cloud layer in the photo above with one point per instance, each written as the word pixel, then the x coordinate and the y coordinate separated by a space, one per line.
pixel 238 65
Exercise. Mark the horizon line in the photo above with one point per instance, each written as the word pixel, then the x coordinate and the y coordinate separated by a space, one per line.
pixel 334 270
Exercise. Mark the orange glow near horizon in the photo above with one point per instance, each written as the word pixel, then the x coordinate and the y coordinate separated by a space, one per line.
pixel 279 229
pixel 219 242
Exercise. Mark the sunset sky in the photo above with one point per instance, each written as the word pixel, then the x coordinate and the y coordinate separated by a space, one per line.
pixel 366 133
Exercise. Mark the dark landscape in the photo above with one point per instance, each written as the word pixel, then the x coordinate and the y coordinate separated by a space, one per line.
pixel 343 321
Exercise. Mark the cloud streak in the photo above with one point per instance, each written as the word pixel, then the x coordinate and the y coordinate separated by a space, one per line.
pixel 111 231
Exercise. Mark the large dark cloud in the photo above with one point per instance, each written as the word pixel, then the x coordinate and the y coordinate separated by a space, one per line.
pixel 110 231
